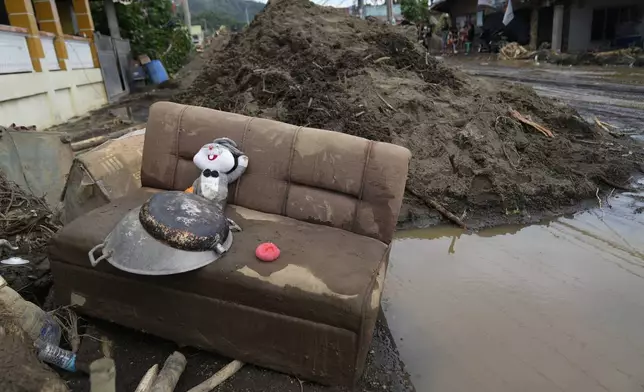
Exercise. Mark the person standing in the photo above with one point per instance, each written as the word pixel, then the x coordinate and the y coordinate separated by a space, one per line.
pixel 444 26
pixel 427 36
pixel 470 37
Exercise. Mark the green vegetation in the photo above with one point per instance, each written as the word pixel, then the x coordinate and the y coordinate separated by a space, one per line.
pixel 416 11
pixel 151 28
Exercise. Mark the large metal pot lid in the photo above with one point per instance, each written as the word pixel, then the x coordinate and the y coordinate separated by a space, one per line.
pixel 129 247
pixel 184 221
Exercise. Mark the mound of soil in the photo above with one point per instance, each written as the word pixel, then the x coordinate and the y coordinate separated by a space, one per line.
pixel 318 67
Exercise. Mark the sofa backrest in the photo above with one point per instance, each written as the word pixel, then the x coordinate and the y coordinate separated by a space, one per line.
pixel 307 174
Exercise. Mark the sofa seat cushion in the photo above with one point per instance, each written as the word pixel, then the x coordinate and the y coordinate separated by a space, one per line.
pixel 323 274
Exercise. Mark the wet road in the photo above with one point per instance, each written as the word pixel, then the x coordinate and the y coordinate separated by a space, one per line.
pixel 552 307
pixel 624 110
pixel 615 96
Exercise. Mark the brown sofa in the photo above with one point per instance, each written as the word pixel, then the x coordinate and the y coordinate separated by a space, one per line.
pixel 330 201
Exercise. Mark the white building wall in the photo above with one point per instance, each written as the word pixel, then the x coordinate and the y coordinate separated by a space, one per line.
pixel 581 19
pixel 46 98
pixel 52 96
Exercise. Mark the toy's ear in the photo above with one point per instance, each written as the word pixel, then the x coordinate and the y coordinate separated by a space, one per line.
pixel 229 144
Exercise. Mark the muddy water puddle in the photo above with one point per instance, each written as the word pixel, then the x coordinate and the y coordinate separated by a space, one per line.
pixel 550 307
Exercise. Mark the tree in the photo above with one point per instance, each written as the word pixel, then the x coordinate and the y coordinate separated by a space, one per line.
pixel 151 28
pixel 416 11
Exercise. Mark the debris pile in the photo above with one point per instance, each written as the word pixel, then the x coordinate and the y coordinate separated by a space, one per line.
pixel 514 51
pixel 318 67
pixel 26 225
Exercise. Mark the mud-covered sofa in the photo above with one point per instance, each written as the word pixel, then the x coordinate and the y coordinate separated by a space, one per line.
pixel 329 200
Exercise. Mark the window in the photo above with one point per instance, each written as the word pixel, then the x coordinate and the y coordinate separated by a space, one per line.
pixel 610 23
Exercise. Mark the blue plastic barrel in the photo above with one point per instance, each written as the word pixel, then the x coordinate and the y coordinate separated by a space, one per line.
pixel 156 71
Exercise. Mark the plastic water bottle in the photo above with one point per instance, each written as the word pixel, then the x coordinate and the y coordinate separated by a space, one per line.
pixel 37 323
pixel 55 355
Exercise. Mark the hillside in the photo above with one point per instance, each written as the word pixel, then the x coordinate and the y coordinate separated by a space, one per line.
pixel 234 9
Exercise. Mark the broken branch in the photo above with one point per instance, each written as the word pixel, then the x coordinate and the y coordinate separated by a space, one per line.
pixel 540 128
pixel 376 61
pixel 385 102
pixel 604 127
pixel 434 204
pixel 615 185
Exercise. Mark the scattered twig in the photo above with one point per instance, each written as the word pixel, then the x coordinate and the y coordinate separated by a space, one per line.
pixel 588 142
pixel 310 102
pixel 264 87
pixel 317 65
pixel 540 128
pixel 604 126
pixel 599 123
pixel 514 166
pixel 615 185
pixel 434 204
pixel 368 57
pixel 499 118
pixel 167 50
pixel 301 384
pixel 608 198
pixel 6 244
pixel 359 114
pixel 385 58
pixel 385 102
pixel 219 377
pixel 106 347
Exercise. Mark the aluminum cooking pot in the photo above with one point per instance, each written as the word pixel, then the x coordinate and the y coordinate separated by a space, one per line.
pixel 171 233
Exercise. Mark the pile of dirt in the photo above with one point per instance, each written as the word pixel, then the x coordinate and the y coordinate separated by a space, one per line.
pixel 318 67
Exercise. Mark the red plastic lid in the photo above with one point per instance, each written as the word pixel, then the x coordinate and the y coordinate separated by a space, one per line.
pixel 267 251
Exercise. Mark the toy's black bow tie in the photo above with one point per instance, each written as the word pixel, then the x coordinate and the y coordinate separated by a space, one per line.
pixel 210 173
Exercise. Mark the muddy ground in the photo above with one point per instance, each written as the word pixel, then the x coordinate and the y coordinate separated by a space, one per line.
pixel 135 352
